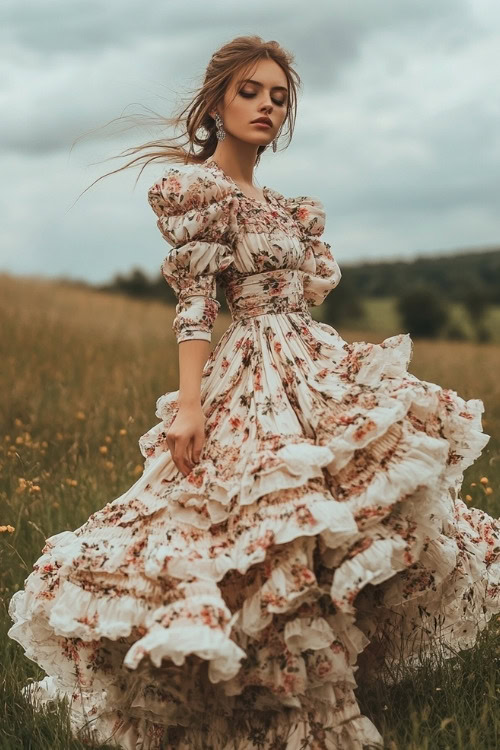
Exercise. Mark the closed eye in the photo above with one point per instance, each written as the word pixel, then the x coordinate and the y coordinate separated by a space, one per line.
pixel 249 96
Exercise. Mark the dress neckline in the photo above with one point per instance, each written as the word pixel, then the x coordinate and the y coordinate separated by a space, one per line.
pixel 265 189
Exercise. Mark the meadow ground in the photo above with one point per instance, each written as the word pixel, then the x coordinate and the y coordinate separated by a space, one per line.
pixel 80 375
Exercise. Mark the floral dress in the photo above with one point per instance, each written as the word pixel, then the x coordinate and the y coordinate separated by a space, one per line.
pixel 231 608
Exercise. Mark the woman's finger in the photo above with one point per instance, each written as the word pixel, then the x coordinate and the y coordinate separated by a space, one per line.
pixel 189 454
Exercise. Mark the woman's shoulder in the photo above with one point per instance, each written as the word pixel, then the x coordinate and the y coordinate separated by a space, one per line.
pixel 307 210
pixel 183 187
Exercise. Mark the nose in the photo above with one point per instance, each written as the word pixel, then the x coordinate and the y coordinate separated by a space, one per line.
pixel 267 104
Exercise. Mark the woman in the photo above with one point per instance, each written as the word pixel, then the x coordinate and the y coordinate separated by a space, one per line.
pixel 298 515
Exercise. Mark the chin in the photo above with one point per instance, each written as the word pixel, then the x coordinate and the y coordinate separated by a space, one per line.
pixel 260 141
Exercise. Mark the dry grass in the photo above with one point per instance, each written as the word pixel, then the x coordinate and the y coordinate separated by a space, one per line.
pixel 81 372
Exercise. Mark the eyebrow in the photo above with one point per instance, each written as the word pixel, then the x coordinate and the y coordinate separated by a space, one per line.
pixel 258 83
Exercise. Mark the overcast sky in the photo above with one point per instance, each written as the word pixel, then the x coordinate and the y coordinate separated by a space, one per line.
pixel 397 131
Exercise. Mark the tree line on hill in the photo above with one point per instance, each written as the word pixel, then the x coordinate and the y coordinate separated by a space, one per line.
pixel 423 290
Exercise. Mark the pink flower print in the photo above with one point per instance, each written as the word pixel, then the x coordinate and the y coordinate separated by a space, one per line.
pixel 262 542
pixel 307 576
pixel 368 426
pixel 172 184
pixel 196 476
pixel 87 620
pixel 257 383
pixel 270 599
pixel 236 423
pixel 337 647
pixel 289 682
pixel 302 213
pixel 304 516
pixel 207 617
pixel 408 557
pixel 359 547
pixel 324 668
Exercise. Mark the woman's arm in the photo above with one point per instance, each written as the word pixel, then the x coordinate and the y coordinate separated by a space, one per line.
pixel 186 435
pixel 192 357
pixel 197 216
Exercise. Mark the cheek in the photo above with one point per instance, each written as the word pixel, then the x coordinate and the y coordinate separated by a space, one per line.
pixel 239 112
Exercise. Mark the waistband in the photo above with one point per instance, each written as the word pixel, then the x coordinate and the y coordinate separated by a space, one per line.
pixel 276 291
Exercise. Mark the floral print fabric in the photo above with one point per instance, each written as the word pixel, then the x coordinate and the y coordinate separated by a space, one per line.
pixel 216 233
pixel 233 606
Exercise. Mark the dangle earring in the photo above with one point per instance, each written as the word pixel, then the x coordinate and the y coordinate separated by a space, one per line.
pixel 275 143
pixel 220 132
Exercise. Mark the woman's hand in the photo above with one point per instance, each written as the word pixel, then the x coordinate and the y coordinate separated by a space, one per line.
pixel 186 436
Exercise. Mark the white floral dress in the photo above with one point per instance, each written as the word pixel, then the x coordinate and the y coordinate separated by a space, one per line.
pixel 323 519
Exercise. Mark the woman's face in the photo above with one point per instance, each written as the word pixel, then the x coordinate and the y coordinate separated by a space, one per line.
pixel 265 95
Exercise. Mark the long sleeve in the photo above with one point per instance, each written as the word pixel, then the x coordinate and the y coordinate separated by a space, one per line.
pixel 197 216
pixel 320 269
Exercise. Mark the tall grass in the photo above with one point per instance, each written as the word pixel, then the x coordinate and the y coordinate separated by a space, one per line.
pixel 80 375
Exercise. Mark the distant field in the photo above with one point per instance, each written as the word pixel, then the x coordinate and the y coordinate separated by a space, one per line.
pixel 382 319
pixel 80 375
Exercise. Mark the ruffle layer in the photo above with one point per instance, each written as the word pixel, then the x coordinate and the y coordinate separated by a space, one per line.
pixel 319 726
pixel 256 565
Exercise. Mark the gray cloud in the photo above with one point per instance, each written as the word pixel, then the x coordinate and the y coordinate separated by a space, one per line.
pixel 397 128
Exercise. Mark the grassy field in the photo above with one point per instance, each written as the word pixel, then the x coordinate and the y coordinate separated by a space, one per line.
pixel 80 375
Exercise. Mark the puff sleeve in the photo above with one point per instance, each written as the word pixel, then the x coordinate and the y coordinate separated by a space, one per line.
pixel 321 272
pixel 196 213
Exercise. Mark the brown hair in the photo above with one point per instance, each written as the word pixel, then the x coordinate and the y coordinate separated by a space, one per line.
pixel 239 54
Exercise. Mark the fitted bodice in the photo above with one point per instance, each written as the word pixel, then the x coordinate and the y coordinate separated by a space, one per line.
pixel 268 256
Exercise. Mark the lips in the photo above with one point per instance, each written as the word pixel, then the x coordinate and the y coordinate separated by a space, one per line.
pixel 264 121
